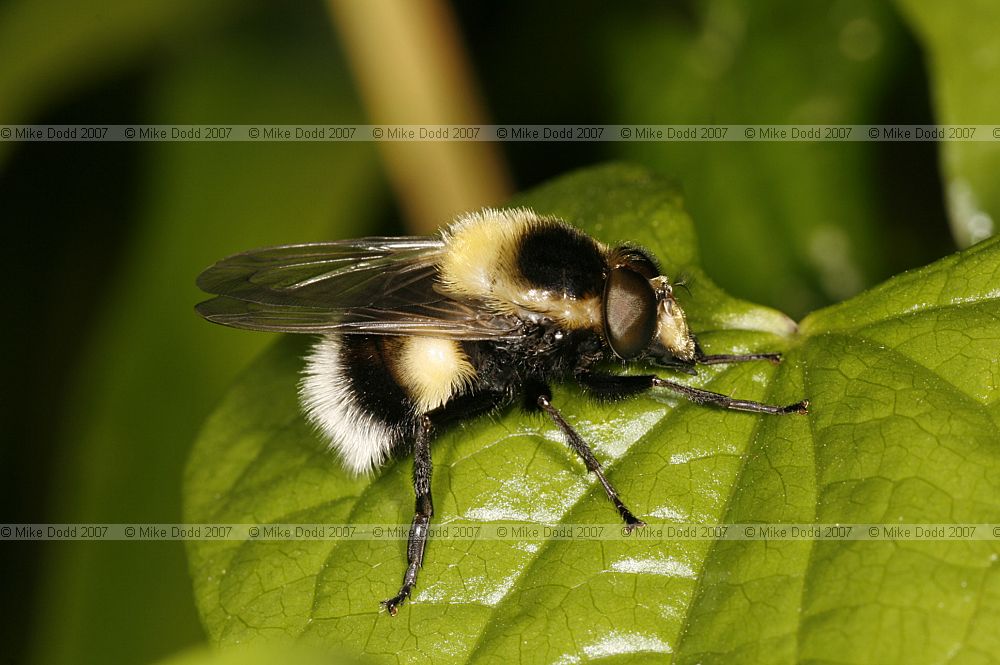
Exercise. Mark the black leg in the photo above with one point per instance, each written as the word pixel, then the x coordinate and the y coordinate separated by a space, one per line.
pixel 612 387
pixel 699 396
pixel 721 359
pixel 583 450
pixel 421 519
pixel 725 358
pixel 466 406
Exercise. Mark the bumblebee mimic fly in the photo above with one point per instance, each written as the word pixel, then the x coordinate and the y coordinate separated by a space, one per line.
pixel 415 332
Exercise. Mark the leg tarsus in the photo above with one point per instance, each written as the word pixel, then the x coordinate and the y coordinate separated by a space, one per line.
pixel 702 358
pixel 799 407
pixel 726 358
pixel 700 396
pixel 613 387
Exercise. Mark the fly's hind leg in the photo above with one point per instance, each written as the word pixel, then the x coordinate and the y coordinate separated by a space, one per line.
pixel 462 408
pixel 417 542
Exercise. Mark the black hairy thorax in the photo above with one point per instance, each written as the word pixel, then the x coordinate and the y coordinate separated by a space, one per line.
pixel 544 353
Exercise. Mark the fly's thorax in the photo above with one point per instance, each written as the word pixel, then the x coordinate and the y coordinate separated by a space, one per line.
pixel 545 352
pixel 526 265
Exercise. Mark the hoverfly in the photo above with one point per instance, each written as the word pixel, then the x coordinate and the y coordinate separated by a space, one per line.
pixel 419 331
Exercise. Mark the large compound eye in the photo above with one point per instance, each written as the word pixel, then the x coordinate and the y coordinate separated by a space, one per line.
pixel 629 312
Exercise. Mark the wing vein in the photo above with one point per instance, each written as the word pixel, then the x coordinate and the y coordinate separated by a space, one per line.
pixel 381 286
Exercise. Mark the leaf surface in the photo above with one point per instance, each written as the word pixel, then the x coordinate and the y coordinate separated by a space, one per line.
pixel 903 428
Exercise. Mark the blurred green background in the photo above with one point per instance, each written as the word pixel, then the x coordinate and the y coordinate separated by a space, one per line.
pixel 109 371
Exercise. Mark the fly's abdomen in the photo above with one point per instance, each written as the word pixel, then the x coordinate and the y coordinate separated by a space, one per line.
pixel 351 396
pixel 365 392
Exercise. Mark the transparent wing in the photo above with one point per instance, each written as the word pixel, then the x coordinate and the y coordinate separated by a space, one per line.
pixel 384 286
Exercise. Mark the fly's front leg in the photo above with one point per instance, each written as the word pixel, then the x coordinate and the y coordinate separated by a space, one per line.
pixel 417 542
pixel 701 358
pixel 726 358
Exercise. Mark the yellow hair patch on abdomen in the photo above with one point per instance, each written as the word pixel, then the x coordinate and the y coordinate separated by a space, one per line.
pixel 432 370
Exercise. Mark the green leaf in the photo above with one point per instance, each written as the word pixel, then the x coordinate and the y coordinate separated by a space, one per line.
pixel 904 386
pixel 259 654
pixel 962 43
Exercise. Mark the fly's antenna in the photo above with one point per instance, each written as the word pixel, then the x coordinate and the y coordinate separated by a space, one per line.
pixel 683 280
